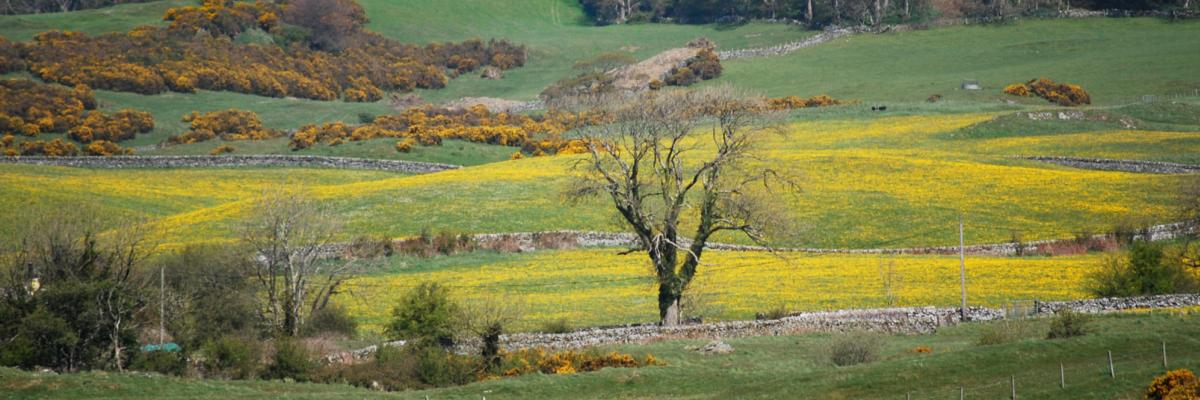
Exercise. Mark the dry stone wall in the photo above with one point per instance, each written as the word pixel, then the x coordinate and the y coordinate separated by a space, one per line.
pixel 1105 164
pixel 1098 306
pixel 909 320
pixel 119 162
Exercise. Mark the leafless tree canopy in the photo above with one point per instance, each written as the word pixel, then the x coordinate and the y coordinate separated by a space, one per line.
pixel 682 162
pixel 94 269
pixel 291 234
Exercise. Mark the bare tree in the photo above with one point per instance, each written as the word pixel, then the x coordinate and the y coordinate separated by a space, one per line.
pixel 488 319
pixel 291 236
pixel 88 275
pixel 681 160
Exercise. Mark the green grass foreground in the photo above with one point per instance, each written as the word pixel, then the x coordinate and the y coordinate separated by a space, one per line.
pixel 762 367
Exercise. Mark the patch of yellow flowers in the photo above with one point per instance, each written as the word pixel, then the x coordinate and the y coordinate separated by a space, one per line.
pixel 598 287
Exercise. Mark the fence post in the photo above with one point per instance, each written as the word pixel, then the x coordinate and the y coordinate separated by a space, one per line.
pixel 1164 347
pixel 962 393
pixel 1013 378
pixel 1062 376
pixel 1112 373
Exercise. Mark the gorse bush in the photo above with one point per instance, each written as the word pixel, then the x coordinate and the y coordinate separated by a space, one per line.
pixel 340 61
pixel 29 108
pixel 429 126
pixel 1064 94
pixel 229 124
pixel 704 66
pixel 569 362
pixel 1180 384
pixel 793 102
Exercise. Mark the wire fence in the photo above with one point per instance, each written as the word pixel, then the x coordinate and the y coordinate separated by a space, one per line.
pixel 1127 368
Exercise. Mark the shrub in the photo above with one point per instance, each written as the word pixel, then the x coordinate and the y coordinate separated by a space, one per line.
pixel 1017 89
pixel 704 66
pixel 426 315
pixel 231 357
pixel 793 102
pixel 1064 94
pixel 222 149
pixel 196 52
pixel 332 318
pixel 560 325
pixel 854 348
pixel 438 367
pixel 163 362
pixel 568 362
pixel 1180 384
pixel 231 124
pixel 1067 324
pixel 291 360
pixel 1006 331
pixel 405 145
pixel 105 148
pixel 1145 269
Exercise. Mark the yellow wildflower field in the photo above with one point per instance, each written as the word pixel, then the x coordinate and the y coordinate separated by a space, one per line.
pixel 592 287
pixel 881 182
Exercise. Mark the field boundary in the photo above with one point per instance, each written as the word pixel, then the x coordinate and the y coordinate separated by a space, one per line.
pixel 904 320
pixel 533 241
pixel 1108 164
pixel 134 162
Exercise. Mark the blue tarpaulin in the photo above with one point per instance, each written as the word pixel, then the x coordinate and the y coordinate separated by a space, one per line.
pixel 172 347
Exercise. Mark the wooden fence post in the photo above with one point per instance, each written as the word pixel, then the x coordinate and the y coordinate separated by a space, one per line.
pixel 1062 376
pixel 1112 373
pixel 1164 348
pixel 1013 378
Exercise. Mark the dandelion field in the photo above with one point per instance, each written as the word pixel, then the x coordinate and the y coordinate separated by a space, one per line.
pixel 864 183
pixel 592 287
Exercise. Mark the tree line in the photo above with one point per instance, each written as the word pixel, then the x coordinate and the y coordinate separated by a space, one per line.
pixel 817 13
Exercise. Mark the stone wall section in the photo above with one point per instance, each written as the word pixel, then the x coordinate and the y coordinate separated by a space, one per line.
pixel 294 161
pixel 908 320
pixel 1106 164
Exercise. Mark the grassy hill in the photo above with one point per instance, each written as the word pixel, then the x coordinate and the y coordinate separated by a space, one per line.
pixel 1141 56
pixel 765 367
pixel 880 182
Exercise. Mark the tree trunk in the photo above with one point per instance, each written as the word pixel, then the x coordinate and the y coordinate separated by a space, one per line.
pixel 837 13
pixel 907 13
pixel 668 304
pixel 876 14
pixel 808 13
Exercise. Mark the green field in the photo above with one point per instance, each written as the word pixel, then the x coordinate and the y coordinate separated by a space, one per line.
pixel 765 367
pixel 1142 55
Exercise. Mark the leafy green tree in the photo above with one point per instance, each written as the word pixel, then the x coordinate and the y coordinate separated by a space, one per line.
pixel 426 315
